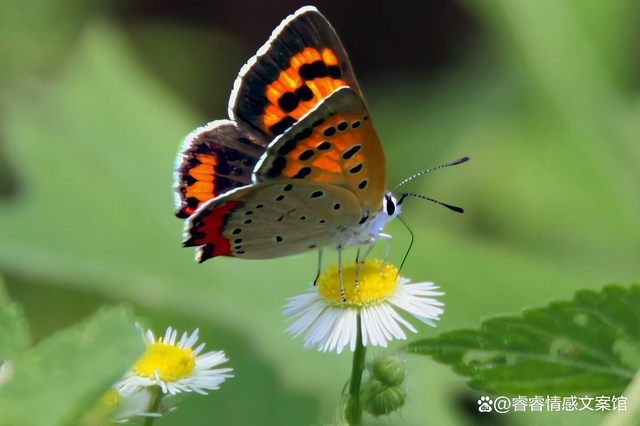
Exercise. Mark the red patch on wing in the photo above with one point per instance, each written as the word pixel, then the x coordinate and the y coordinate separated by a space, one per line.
pixel 206 231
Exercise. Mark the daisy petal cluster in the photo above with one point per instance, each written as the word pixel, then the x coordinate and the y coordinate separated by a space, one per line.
pixel 176 366
pixel 331 323
pixel 168 367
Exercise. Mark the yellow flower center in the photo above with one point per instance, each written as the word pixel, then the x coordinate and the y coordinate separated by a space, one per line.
pixel 171 362
pixel 375 285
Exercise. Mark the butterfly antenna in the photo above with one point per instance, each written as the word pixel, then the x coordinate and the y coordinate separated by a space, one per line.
pixel 449 206
pixel 424 172
pixel 410 243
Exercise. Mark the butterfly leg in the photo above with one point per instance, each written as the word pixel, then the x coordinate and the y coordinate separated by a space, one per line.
pixel 344 297
pixel 360 261
pixel 319 266
pixel 357 263
pixel 386 255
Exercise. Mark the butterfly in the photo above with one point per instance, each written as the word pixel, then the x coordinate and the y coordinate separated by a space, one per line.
pixel 298 164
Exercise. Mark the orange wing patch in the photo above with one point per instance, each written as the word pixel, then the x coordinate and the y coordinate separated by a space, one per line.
pixel 311 77
pixel 214 160
pixel 342 150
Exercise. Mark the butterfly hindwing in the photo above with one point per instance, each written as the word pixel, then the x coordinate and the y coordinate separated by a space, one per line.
pixel 273 219
pixel 302 63
pixel 330 145
pixel 213 160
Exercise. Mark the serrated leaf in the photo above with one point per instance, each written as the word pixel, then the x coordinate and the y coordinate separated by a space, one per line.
pixel 15 338
pixel 588 345
pixel 59 379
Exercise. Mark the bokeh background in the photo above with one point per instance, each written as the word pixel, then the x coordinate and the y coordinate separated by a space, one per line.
pixel 542 95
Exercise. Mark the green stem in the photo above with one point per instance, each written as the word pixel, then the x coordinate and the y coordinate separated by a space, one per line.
pixel 355 410
pixel 157 399
pixel 629 417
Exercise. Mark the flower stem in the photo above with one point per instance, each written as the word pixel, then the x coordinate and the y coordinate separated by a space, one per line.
pixel 155 405
pixel 355 410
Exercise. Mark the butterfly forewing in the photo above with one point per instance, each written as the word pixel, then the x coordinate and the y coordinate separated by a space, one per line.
pixel 335 143
pixel 270 220
pixel 213 160
pixel 302 63
pixel 299 166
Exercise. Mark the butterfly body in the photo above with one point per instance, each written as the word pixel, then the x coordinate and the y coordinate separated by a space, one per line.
pixel 298 166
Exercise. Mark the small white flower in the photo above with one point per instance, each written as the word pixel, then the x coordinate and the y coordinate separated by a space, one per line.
pixel 331 324
pixel 175 366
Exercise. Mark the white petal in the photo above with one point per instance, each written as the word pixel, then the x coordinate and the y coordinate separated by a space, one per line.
pixel 167 336
pixel 390 322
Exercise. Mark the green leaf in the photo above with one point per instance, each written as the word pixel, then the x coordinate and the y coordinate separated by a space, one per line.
pixel 588 345
pixel 15 338
pixel 59 379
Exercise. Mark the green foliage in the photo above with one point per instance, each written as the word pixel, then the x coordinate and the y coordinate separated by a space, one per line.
pixel 588 345
pixel 59 379
pixel 15 337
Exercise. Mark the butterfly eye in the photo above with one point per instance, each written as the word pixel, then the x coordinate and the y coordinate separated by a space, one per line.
pixel 391 205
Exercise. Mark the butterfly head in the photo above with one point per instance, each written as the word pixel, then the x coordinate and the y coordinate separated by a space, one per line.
pixel 391 206
pixel 373 225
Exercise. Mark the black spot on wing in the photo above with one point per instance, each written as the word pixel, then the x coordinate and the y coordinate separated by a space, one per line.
pixel 189 180
pixel 302 173
pixel 287 147
pixel 306 155
pixel 303 134
pixel 324 146
pixel 276 168
pixel 192 202
pixel 304 93
pixel 329 131
pixel 343 126
pixel 356 168
pixel 288 102
pixel 281 126
pixel 351 152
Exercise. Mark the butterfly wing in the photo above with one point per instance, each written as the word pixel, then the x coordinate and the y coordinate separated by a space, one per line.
pixel 213 160
pixel 335 143
pixel 271 219
pixel 302 63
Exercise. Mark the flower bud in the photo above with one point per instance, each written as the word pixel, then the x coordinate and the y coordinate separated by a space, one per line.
pixel 379 399
pixel 390 371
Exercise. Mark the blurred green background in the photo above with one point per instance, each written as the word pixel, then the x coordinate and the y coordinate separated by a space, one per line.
pixel 542 95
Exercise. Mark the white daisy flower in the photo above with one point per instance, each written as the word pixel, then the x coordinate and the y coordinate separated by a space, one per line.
pixel 331 324
pixel 175 366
